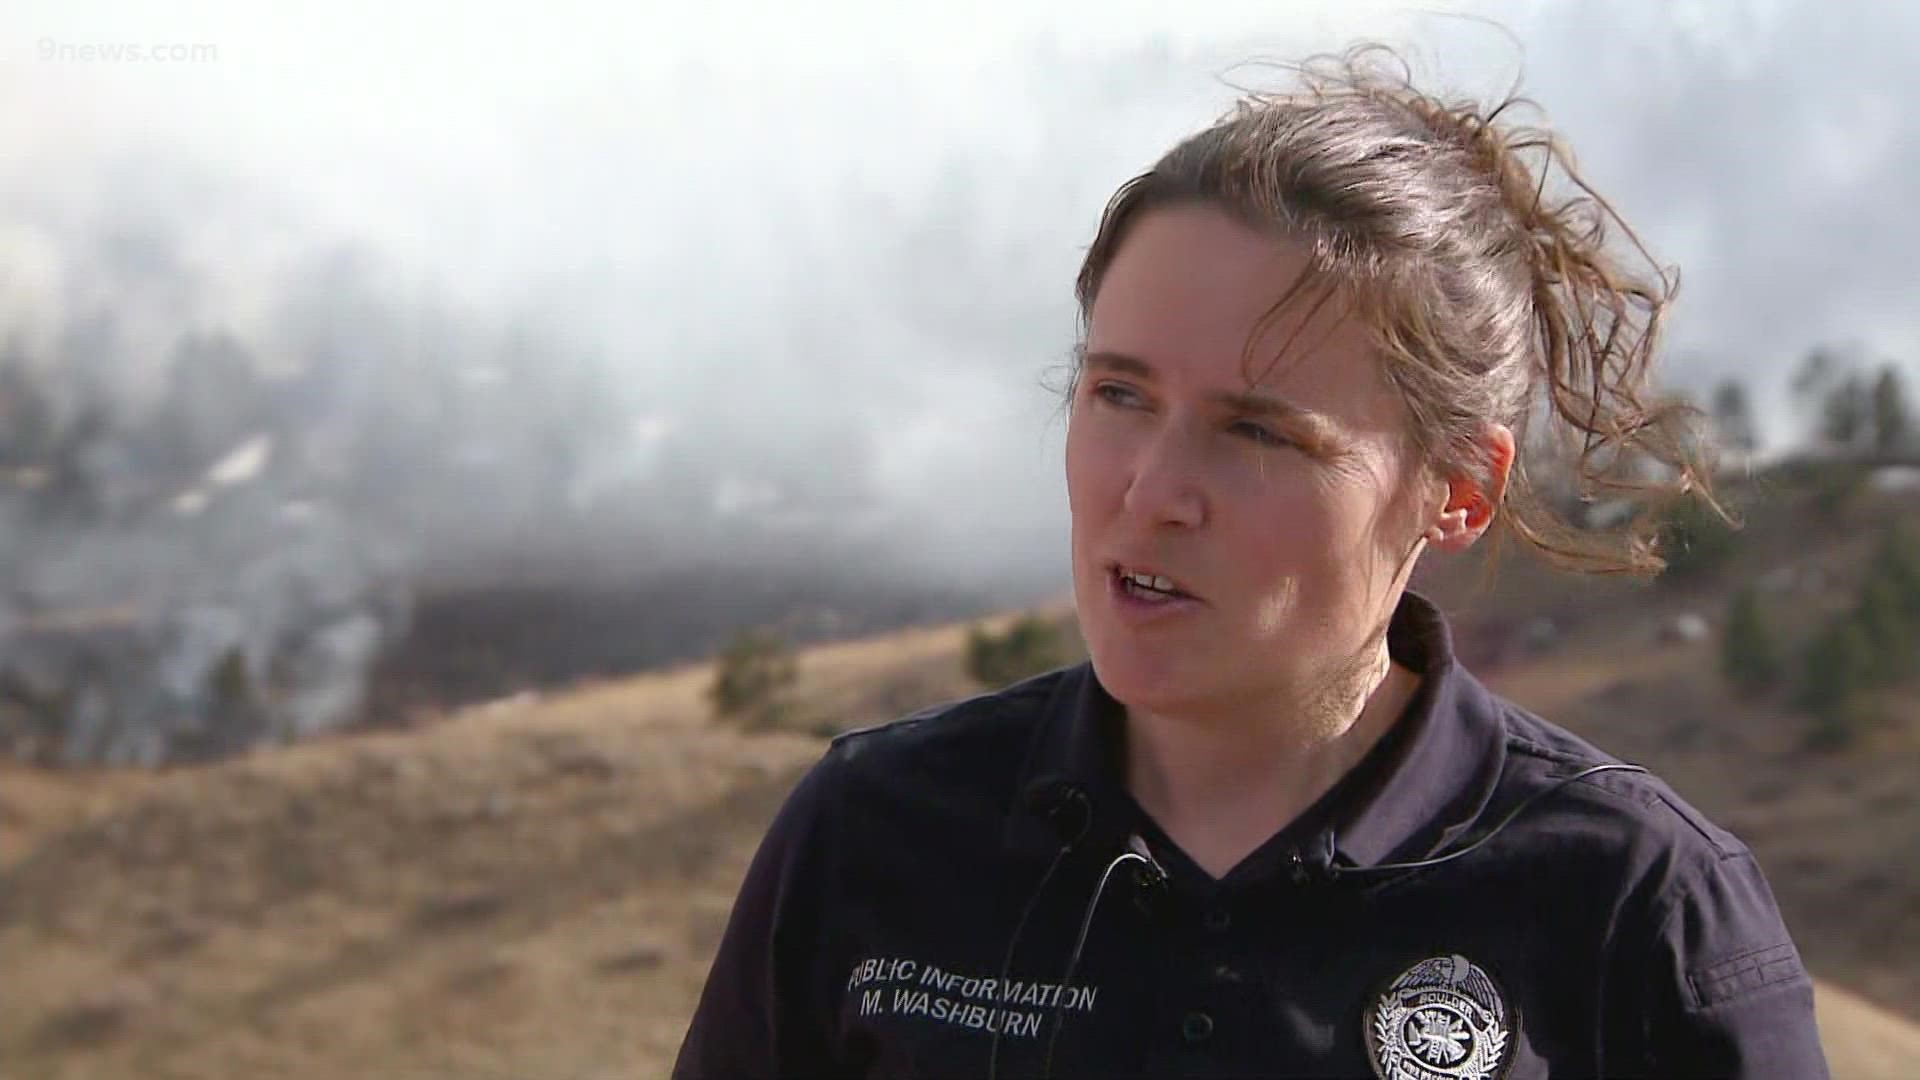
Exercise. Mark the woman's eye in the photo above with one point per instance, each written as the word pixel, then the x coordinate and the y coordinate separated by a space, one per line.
pixel 1114 394
pixel 1261 435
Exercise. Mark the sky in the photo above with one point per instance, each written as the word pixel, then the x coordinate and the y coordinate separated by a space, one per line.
pixel 812 263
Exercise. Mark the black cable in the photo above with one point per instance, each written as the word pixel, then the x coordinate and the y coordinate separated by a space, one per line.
pixel 1033 901
pixel 1333 871
pixel 1073 962
pixel 1153 871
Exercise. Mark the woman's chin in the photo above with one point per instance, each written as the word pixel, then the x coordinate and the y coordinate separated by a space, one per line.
pixel 1144 679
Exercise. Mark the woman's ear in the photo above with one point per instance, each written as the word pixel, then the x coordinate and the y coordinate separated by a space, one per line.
pixel 1470 504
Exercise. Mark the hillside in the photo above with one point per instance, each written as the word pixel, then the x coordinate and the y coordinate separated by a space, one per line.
pixel 1838 831
pixel 535 887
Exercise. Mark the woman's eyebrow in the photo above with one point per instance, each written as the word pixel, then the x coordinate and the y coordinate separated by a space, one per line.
pixel 1245 403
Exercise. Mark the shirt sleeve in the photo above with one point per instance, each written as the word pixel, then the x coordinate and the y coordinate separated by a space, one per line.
pixel 762 1013
pixel 1730 997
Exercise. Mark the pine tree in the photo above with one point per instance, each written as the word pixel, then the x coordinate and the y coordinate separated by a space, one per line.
pixel 1888 631
pixel 1733 417
pixel 1847 413
pixel 1695 541
pixel 1897 562
pixel 1891 416
pixel 1835 670
pixel 1748 656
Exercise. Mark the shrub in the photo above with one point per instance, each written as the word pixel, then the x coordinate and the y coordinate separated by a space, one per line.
pixel 1027 648
pixel 753 679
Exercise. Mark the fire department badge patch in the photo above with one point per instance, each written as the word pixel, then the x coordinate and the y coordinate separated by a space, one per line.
pixel 1444 1019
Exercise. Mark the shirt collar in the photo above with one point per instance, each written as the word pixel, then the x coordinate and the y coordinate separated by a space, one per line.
pixel 1422 785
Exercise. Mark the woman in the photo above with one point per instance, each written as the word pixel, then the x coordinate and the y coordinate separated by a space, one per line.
pixel 1272 828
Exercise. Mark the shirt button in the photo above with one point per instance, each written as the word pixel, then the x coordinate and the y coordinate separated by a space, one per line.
pixel 1196 1027
pixel 1216 919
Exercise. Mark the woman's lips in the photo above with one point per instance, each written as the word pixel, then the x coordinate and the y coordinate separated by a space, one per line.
pixel 1139 609
pixel 1138 571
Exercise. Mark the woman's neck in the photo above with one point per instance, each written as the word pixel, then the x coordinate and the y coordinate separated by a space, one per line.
pixel 1221 785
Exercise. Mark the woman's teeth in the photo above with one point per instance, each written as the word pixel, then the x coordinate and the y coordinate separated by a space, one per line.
pixel 1149 586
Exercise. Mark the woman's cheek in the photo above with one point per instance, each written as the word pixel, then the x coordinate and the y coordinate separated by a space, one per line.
pixel 1106 455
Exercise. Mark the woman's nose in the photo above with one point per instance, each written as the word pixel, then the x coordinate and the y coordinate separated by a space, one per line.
pixel 1165 487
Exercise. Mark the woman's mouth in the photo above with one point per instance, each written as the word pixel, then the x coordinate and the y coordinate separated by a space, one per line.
pixel 1144 594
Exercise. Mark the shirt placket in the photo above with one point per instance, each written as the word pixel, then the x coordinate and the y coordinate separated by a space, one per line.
pixel 1205 1004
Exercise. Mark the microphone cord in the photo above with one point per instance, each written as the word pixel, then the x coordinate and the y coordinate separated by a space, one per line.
pixel 1333 872
pixel 1153 873
pixel 1033 900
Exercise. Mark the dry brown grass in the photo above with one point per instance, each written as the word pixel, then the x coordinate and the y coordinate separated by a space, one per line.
pixel 851 684
pixel 532 888
pixel 443 902
pixel 1864 1041
pixel 37 802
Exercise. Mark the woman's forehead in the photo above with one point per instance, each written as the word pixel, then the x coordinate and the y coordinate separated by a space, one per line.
pixel 1190 286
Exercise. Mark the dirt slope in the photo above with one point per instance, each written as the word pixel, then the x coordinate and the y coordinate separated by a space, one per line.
pixel 531 889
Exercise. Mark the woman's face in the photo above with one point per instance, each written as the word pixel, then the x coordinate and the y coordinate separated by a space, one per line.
pixel 1284 512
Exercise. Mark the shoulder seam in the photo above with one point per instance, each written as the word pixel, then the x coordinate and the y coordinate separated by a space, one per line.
pixel 1509 711
pixel 1546 753
pixel 1654 795
pixel 1678 892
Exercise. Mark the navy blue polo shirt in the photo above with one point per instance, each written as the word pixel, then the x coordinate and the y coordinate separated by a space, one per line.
pixel 971 891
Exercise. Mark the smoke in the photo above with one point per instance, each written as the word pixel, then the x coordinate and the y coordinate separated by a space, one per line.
pixel 298 330
pixel 1764 149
